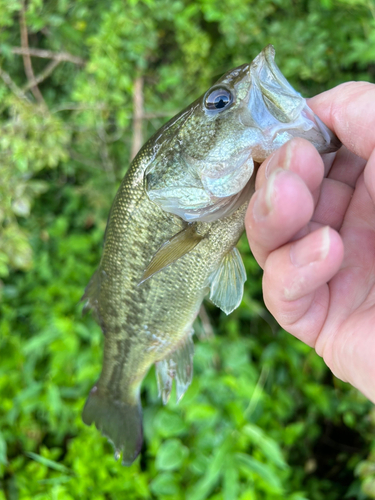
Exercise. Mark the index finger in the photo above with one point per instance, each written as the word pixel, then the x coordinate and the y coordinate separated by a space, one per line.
pixel 349 110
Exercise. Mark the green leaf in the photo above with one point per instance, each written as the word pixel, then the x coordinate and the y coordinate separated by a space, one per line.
pixel 169 424
pixel 164 484
pixel 260 469
pixel 3 450
pixel 47 462
pixel 171 455
pixel 268 446
pixel 205 485
pixel 231 484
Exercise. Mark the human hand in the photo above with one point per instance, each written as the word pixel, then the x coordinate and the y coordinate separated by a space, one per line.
pixel 314 236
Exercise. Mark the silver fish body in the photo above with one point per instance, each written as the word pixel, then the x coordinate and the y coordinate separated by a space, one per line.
pixel 171 236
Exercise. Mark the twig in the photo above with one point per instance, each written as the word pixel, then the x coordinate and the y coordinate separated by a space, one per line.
pixel 82 159
pixel 137 116
pixel 27 60
pixel 72 106
pixel 13 86
pixel 103 150
pixel 48 54
pixel 43 75
pixel 160 114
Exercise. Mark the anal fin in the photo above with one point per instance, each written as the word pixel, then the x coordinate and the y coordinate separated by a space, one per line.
pixel 178 366
pixel 227 282
pixel 173 249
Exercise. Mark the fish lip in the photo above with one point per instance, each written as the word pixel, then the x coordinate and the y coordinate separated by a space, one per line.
pixel 267 58
pixel 272 91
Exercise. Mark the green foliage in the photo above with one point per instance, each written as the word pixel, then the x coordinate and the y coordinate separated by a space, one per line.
pixel 264 418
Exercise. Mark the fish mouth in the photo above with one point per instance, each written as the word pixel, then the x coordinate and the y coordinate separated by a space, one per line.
pixel 280 98
pixel 289 109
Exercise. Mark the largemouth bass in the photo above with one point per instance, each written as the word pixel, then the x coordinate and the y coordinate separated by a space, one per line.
pixel 171 236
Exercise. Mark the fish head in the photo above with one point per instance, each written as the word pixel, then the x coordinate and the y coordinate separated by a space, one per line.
pixel 205 158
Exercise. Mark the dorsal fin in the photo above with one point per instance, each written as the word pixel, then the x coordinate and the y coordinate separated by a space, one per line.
pixel 179 245
pixel 227 282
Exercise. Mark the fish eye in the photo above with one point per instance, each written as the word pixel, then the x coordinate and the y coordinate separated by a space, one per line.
pixel 218 99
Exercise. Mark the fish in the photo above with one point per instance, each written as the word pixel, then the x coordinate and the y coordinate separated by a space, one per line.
pixel 172 232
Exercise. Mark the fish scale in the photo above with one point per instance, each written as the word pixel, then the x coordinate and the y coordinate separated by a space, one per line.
pixel 171 235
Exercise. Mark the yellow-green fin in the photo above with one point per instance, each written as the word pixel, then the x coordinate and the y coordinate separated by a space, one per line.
pixel 227 282
pixel 179 245
pixel 179 366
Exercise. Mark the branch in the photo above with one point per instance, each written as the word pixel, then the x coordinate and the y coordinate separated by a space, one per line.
pixel 73 106
pixel 27 60
pixel 43 75
pixel 137 116
pixel 12 85
pixel 48 54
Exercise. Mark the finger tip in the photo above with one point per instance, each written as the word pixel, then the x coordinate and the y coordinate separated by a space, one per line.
pixel 297 155
pixel 348 110
pixel 293 206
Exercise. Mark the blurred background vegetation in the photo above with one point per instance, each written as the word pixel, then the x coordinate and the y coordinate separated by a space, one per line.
pixel 82 84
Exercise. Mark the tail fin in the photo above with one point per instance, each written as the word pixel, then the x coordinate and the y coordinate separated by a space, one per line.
pixel 120 422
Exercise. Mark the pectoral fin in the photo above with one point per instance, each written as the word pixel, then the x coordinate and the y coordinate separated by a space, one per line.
pixel 227 282
pixel 179 245
pixel 178 366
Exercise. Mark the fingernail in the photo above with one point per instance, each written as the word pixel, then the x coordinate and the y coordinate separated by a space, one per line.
pixel 312 248
pixel 281 159
pixel 263 205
